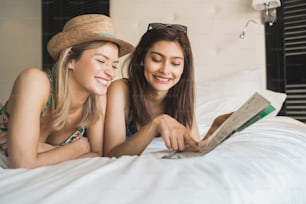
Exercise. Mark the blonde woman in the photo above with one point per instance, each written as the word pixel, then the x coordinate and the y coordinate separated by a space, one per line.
pixel 47 114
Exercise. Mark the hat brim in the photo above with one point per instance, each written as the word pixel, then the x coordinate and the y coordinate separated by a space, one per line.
pixel 64 40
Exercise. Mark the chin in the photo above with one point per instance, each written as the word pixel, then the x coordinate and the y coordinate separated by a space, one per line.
pixel 164 87
pixel 100 92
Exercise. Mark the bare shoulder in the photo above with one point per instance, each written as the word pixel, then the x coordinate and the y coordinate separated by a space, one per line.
pixel 33 74
pixel 118 94
pixel 32 82
pixel 34 78
pixel 119 86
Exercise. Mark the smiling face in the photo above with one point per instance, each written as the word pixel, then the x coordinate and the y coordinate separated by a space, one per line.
pixel 93 72
pixel 163 65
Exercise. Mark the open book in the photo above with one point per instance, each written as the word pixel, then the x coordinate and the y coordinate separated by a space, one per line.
pixel 255 108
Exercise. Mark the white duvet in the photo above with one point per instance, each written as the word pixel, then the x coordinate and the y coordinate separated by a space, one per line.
pixel 264 164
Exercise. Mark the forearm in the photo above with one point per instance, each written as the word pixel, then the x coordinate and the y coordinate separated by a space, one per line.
pixel 129 147
pixel 136 143
pixel 91 154
pixel 69 151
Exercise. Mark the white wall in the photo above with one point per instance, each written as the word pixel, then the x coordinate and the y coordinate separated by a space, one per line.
pixel 20 40
pixel 213 27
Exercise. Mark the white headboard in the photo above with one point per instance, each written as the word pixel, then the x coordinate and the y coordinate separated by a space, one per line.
pixel 213 28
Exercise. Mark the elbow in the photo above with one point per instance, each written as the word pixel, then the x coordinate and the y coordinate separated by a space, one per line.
pixel 22 163
pixel 111 153
pixel 107 153
pixel 107 150
pixel 97 153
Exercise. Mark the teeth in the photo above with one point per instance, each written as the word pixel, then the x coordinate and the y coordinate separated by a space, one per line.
pixel 162 79
pixel 102 81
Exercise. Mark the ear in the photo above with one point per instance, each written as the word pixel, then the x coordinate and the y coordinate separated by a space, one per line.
pixel 71 64
pixel 66 52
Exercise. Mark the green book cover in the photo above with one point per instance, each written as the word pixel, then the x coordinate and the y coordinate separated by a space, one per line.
pixel 257 117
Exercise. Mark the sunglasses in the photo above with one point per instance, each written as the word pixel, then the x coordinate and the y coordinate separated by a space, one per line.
pixel 159 26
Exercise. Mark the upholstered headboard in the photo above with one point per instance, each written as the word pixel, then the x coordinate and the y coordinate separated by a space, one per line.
pixel 213 27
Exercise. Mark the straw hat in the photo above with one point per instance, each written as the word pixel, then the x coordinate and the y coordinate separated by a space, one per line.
pixel 85 28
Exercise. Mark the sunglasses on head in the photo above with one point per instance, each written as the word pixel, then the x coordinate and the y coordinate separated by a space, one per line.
pixel 159 26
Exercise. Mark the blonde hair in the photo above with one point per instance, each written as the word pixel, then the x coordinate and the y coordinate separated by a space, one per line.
pixel 92 108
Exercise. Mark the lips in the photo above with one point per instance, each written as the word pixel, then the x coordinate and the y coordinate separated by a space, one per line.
pixel 102 81
pixel 162 79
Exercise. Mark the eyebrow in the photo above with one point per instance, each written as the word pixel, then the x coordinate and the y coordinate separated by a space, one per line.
pixel 173 57
pixel 106 57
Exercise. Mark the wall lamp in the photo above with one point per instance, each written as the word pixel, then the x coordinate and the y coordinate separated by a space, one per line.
pixel 268 7
pixel 243 33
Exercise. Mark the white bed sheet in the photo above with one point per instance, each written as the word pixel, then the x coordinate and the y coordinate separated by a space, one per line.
pixel 264 164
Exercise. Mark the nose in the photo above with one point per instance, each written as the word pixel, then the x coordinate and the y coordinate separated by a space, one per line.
pixel 165 67
pixel 109 71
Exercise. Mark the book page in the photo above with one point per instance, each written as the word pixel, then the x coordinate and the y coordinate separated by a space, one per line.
pixel 248 111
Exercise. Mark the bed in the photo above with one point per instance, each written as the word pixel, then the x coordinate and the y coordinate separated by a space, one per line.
pixel 263 164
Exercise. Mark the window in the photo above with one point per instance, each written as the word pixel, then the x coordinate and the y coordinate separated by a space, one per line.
pixel 286 57
pixel 56 13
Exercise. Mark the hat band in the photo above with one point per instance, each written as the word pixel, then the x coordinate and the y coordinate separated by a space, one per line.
pixel 107 35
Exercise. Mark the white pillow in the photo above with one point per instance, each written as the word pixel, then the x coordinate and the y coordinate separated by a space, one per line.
pixel 227 93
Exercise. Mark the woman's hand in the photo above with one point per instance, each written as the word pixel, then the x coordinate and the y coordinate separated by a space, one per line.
pixel 217 123
pixel 174 133
pixel 83 145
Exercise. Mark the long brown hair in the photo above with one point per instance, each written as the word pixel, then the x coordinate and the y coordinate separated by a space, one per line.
pixel 179 102
pixel 92 109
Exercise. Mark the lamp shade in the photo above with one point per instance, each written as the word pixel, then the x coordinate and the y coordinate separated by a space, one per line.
pixel 260 4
